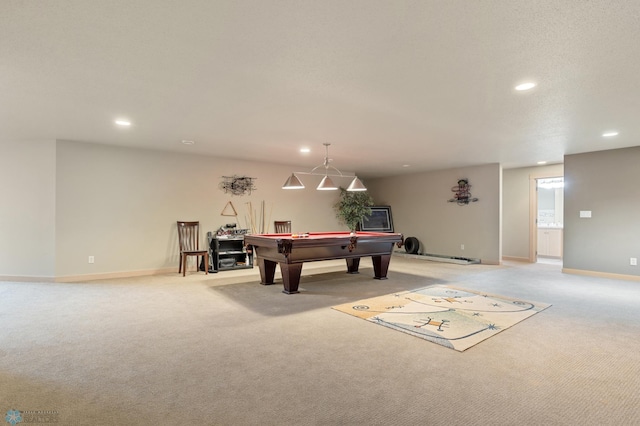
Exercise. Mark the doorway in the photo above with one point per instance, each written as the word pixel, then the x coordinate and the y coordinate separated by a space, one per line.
pixel 549 219
pixel 546 218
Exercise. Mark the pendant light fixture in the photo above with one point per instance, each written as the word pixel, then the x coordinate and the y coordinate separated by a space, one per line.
pixel 326 184
pixel 293 183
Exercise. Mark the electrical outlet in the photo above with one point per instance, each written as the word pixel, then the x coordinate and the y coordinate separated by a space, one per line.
pixel 92 259
pixel 461 246
pixel 633 261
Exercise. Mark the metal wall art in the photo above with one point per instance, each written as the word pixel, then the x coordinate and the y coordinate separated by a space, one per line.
pixel 462 192
pixel 237 185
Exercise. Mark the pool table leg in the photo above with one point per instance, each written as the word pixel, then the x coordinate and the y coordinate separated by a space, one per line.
pixel 267 271
pixel 381 266
pixel 352 265
pixel 290 276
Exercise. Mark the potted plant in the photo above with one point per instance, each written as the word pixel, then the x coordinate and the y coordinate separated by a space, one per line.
pixel 352 207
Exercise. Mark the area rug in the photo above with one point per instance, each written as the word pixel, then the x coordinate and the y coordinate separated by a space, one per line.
pixel 450 316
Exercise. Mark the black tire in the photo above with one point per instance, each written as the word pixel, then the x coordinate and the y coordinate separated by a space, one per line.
pixel 411 245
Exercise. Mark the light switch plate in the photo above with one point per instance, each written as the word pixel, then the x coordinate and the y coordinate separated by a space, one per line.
pixel 585 213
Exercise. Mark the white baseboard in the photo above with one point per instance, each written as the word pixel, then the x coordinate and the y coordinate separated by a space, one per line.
pixel 111 275
pixel 27 279
pixel 516 259
pixel 601 274
pixel 90 277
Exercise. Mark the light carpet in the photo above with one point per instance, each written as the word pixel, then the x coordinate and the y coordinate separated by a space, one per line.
pixel 450 316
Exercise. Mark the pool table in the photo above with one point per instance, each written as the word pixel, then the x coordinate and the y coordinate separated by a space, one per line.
pixel 290 251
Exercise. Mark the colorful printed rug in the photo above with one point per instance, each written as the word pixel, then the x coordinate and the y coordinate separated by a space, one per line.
pixel 449 316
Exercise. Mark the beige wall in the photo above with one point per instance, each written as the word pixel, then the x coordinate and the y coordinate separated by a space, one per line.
pixel 27 210
pixel 605 183
pixel 516 217
pixel 64 201
pixel 120 205
pixel 420 209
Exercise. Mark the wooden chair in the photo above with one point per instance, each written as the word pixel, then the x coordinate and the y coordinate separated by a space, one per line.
pixel 189 241
pixel 282 226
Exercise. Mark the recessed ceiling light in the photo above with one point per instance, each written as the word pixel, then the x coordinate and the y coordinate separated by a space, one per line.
pixel 542 162
pixel 122 122
pixel 305 150
pixel 186 142
pixel 610 134
pixel 525 86
pixel 406 165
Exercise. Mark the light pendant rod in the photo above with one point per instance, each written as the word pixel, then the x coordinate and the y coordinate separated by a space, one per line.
pixel 327 160
pixel 326 184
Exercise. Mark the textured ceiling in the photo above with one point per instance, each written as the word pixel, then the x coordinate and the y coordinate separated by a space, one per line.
pixel 388 83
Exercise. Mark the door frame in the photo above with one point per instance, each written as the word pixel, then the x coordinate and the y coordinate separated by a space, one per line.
pixel 533 212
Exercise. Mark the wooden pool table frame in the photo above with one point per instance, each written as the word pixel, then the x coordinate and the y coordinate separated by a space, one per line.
pixel 291 252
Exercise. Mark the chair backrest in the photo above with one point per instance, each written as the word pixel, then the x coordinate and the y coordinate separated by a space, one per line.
pixel 282 226
pixel 189 235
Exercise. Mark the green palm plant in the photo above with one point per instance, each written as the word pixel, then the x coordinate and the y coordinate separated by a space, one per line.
pixel 352 207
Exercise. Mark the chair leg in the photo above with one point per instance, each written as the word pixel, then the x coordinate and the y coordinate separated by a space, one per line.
pixel 206 263
pixel 184 265
pixel 180 264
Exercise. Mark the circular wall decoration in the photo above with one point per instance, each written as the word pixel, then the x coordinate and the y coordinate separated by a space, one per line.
pixel 462 193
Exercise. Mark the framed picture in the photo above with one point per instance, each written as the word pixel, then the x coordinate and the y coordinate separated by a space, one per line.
pixel 379 221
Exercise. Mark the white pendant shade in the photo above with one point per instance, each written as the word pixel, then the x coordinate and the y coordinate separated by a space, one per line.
pixel 326 184
pixel 356 185
pixel 293 183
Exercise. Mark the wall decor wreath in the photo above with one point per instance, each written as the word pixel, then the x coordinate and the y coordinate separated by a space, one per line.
pixel 462 192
